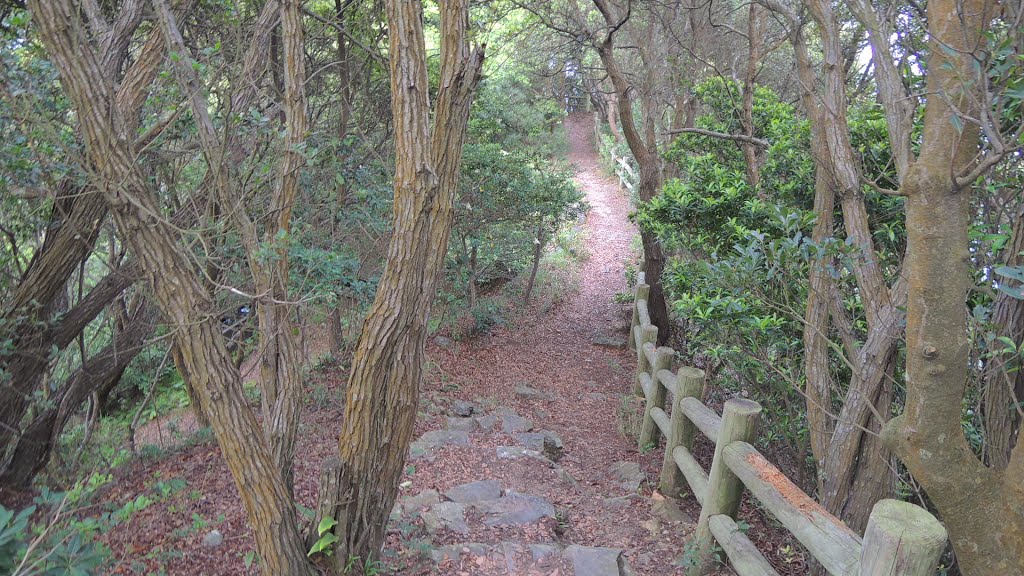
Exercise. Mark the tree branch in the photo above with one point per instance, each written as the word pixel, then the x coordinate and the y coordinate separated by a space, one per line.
pixel 721 135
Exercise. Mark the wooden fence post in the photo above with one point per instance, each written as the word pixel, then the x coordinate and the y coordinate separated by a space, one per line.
pixel 615 168
pixel 642 292
pixel 739 423
pixel 655 399
pixel 648 334
pixel 901 540
pixel 689 384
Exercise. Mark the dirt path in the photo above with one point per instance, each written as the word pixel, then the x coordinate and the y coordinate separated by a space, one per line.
pixel 528 414
pixel 552 373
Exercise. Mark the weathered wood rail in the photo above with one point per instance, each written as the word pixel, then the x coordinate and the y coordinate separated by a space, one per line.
pixel 901 539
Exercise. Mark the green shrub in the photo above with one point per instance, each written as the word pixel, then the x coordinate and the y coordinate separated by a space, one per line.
pixel 508 200
pixel 740 256
pixel 48 539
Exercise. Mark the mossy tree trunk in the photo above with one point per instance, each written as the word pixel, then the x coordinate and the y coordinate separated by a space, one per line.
pixel 980 506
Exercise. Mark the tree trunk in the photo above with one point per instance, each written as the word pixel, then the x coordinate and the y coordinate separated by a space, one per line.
pixel 78 214
pixel 612 111
pixel 335 330
pixel 853 469
pixel 280 362
pixel 843 483
pixel 345 104
pixel 755 37
pixel 1003 382
pixel 538 250
pixel 29 363
pixel 193 397
pixel 645 150
pixel 281 365
pixel 472 277
pixel 384 383
pixel 180 295
pixel 818 390
pixel 857 472
pixel 980 506
pixel 103 370
pixel 654 266
pixel 74 227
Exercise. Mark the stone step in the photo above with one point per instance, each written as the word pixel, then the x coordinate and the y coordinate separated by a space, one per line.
pixel 523 559
pixel 486 498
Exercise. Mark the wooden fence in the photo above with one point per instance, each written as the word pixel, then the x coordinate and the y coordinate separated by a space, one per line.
pixel 623 169
pixel 901 539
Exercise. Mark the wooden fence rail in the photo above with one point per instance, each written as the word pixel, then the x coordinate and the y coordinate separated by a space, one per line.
pixel 901 539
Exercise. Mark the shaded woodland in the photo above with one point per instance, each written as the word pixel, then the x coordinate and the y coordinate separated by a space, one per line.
pixel 197 194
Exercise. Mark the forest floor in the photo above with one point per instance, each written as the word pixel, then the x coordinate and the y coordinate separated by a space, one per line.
pixel 531 414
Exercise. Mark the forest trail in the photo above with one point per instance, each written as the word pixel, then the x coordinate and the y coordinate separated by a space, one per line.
pixel 555 384
pixel 527 415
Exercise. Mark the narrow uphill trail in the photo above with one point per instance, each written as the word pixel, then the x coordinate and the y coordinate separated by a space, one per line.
pixel 520 467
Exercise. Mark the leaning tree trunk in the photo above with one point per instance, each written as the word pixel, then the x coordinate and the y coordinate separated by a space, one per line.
pixel 78 215
pixel 74 227
pixel 857 472
pixel 645 150
pixel 177 290
pixel 384 384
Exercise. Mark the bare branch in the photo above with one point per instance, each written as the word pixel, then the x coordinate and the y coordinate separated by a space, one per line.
pixel 722 135
pixel 898 105
pixel 375 54
pixel 874 186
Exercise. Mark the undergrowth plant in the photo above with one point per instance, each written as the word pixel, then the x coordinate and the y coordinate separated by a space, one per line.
pixel 58 535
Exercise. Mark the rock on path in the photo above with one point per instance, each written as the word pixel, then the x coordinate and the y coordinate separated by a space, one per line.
pixel 518 558
pixel 425 446
pixel 515 509
pixel 473 492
